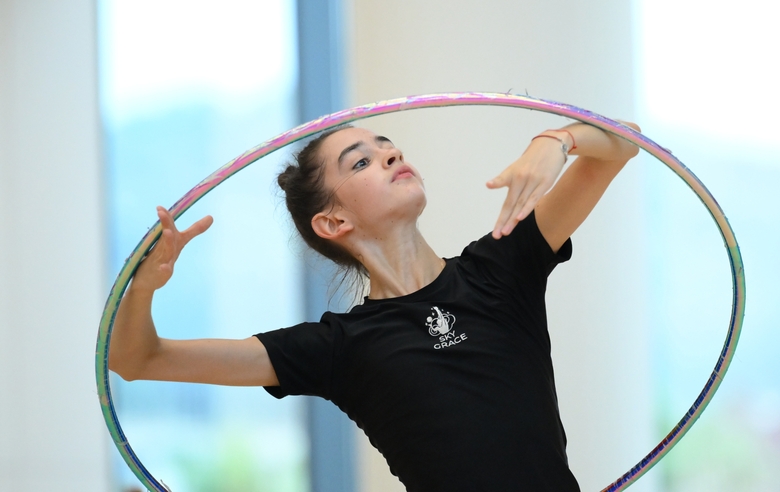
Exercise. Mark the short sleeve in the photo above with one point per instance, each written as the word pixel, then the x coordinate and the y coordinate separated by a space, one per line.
pixel 302 357
pixel 522 257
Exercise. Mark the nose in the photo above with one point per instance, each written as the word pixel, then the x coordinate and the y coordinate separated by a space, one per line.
pixel 393 156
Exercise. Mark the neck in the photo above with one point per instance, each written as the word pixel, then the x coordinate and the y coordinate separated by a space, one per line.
pixel 398 263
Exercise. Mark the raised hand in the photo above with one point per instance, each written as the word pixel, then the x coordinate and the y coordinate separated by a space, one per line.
pixel 157 268
pixel 528 179
pixel 137 352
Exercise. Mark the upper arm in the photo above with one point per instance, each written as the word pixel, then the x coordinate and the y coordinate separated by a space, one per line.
pixel 213 361
pixel 561 211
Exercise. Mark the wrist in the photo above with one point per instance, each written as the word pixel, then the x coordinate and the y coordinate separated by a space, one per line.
pixel 564 135
pixel 552 135
pixel 140 290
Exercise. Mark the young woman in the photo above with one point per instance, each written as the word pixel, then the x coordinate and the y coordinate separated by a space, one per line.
pixel 446 364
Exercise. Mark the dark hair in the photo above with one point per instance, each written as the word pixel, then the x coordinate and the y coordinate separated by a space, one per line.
pixel 306 196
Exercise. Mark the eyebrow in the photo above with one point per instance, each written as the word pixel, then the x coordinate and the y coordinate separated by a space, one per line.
pixel 379 139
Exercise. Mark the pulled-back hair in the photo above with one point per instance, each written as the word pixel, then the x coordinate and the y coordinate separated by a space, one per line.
pixel 303 183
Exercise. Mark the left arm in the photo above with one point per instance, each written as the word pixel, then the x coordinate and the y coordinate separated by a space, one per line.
pixel 561 211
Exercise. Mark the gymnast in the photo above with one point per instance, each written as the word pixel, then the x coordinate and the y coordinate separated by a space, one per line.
pixel 446 364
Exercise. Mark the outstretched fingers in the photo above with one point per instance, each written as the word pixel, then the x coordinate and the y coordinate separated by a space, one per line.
pixel 526 206
pixel 197 229
pixel 169 238
pixel 524 192
pixel 520 203
pixel 165 253
pixel 499 182
pixel 181 238
pixel 508 209
pixel 166 220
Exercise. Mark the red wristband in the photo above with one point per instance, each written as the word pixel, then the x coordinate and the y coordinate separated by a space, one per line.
pixel 564 147
pixel 573 142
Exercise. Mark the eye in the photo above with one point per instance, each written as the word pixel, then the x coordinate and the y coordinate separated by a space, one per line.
pixel 361 164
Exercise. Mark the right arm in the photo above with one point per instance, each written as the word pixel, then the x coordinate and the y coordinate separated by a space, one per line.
pixel 137 352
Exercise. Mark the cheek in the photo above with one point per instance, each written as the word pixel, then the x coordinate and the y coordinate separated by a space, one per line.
pixel 359 191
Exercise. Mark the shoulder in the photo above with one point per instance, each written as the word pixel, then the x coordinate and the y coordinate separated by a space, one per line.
pixel 304 339
pixel 522 255
pixel 302 357
pixel 525 238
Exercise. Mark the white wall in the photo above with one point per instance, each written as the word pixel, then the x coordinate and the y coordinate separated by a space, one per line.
pixel 51 257
pixel 575 52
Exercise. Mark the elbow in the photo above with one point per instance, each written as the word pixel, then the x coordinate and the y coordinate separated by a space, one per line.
pixel 126 370
pixel 126 377
pixel 631 125
pixel 632 150
pixel 123 373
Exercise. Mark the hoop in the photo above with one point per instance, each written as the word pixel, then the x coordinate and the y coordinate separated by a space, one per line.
pixel 427 101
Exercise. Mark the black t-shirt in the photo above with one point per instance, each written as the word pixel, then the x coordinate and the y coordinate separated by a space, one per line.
pixel 452 383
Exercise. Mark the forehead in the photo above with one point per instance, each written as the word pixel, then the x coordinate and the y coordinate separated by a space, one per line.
pixel 337 142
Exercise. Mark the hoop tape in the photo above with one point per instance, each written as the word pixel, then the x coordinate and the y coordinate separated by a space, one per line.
pixel 429 101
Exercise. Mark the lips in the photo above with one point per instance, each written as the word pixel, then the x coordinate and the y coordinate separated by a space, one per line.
pixel 403 172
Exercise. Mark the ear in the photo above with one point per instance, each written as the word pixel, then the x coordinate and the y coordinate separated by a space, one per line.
pixel 331 226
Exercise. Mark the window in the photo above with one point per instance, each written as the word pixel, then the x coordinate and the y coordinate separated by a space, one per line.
pixel 708 92
pixel 186 87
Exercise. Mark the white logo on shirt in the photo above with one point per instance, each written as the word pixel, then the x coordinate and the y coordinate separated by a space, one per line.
pixel 440 325
pixel 440 322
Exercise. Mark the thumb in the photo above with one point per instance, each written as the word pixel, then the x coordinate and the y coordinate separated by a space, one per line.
pixel 498 182
pixel 197 229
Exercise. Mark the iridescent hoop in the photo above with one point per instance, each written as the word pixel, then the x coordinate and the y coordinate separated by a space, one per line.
pixel 427 101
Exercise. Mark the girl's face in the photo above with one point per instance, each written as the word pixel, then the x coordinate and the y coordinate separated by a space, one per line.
pixel 370 179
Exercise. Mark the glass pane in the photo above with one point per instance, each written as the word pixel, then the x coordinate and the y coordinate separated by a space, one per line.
pixel 709 93
pixel 186 87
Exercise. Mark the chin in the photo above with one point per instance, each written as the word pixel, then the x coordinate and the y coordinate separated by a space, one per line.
pixel 419 202
pixel 409 211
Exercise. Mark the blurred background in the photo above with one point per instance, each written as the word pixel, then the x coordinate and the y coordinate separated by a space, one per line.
pixel 109 108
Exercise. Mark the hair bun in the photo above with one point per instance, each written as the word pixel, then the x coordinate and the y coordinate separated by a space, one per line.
pixel 286 176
